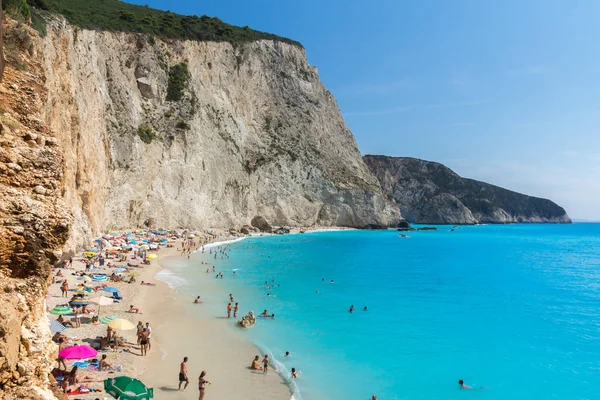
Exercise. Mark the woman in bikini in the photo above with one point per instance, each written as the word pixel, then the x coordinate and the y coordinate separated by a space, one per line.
pixel 202 382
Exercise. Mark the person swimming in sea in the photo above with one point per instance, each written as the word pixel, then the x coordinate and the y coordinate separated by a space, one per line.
pixel 365 309
pixel 351 309
pixel 462 385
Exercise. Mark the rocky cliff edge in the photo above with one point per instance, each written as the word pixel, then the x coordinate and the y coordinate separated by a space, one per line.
pixel 430 193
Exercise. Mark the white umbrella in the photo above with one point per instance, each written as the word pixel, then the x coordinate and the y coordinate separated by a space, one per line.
pixel 101 301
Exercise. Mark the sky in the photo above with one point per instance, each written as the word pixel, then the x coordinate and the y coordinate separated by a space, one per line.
pixel 507 92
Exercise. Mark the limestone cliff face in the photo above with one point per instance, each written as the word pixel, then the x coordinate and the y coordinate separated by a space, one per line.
pixel 430 193
pixel 255 133
pixel 34 221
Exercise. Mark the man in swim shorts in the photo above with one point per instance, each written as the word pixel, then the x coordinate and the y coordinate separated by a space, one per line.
pixel 183 374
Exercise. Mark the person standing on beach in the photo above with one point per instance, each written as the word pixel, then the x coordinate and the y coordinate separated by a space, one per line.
pixel 149 331
pixel 140 328
pixel 235 310
pixel 266 363
pixel 65 288
pixel 228 310
pixel 202 382
pixel 144 342
pixel 183 374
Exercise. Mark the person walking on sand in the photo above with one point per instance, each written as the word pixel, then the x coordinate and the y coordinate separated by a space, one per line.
pixel 149 331
pixel 266 364
pixel 202 382
pixel 183 374
pixel 231 298
pixel 228 310
pixel 235 310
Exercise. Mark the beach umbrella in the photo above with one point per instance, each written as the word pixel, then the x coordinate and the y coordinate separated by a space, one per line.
pixel 164 240
pixel 126 388
pixel 98 241
pixel 77 353
pixel 90 254
pixel 101 301
pixel 61 310
pixel 133 242
pixel 85 278
pixel 121 324
pixel 134 274
pixel 107 319
pixel 111 289
pixel 151 256
pixel 56 326
pixel 99 278
pixel 120 269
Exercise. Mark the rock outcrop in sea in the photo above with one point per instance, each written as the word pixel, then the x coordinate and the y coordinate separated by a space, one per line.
pixel 430 193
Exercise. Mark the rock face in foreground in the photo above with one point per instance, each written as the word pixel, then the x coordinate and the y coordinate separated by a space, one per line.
pixel 248 130
pixel 430 193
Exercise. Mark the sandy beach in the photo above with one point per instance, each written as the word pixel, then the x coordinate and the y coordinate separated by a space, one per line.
pixel 211 343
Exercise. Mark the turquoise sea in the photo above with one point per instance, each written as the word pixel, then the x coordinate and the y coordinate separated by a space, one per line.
pixel 512 310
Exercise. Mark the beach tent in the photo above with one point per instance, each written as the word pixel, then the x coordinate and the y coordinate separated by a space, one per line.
pixel 126 388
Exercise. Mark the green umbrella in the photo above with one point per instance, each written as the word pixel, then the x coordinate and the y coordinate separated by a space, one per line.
pixel 126 388
pixel 106 319
pixel 61 310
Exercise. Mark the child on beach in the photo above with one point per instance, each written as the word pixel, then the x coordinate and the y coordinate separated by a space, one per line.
pixel 266 363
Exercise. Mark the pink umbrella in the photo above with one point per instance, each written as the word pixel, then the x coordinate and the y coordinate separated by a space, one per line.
pixel 77 353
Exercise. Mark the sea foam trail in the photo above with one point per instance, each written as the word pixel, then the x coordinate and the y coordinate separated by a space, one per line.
pixel 170 278
pixel 283 372
pixel 224 242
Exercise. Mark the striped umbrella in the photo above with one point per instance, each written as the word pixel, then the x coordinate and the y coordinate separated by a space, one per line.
pixel 61 310
pixel 108 318
pixel 56 326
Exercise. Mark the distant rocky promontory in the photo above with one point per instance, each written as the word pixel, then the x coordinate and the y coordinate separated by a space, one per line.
pixel 431 193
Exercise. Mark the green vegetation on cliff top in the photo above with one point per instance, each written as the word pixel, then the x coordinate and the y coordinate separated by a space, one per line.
pixel 115 15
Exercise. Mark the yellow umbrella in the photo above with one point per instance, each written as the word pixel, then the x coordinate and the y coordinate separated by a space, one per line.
pixel 151 256
pixel 90 254
pixel 134 274
pixel 145 246
pixel 121 324
pixel 87 278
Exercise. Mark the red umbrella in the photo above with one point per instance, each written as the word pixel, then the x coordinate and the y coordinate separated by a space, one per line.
pixel 78 353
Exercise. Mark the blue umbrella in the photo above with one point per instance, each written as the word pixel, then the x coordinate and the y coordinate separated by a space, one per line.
pixel 146 241
pixel 117 270
pixel 164 240
pixel 133 242
pixel 98 241
pixel 111 289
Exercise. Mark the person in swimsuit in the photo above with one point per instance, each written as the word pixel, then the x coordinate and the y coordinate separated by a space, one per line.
pixel 351 309
pixel 140 328
pixel 265 363
pixel 198 298
pixel 294 373
pixel 144 342
pixel 229 310
pixel 183 374
pixel 462 385
pixel 235 310
pixel 202 382
pixel 256 364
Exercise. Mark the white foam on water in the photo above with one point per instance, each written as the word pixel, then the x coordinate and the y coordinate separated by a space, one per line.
pixel 224 242
pixel 170 278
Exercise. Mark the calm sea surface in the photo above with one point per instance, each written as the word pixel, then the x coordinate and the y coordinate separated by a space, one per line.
pixel 513 310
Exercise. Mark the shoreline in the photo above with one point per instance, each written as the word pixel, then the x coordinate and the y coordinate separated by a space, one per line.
pixel 179 328
pixel 213 345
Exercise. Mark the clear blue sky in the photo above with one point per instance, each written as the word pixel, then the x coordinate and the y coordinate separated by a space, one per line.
pixel 506 91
